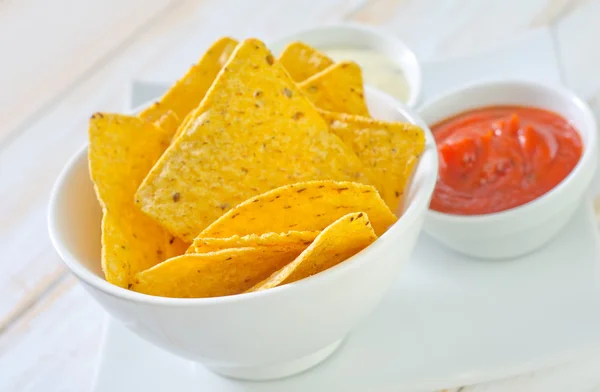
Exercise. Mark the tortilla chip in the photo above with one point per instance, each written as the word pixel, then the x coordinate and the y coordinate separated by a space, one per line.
pixel 188 92
pixel 342 239
pixel 388 150
pixel 175 246
pixel 169 122
pixel 303 61
pixel 253 132
pixel 122 150
pixel 338 88
pixel 281 240
pixel 214 274
pixel 184 124
pixel 309 206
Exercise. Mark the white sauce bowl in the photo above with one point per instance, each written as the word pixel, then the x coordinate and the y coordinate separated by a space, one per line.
pixel 351 35
pixel 522 229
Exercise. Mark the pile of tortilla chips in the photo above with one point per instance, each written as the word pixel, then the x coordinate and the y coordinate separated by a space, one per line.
pixel 251 172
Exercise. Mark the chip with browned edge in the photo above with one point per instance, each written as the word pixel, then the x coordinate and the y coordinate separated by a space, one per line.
pixel 304 206
pixel 213 274
pixel 339 241
pixel 303 61
pixel 281 240
pixel 388 150
pixel 339 88
pixel 253 132
pixel 186 94
pixel 122 150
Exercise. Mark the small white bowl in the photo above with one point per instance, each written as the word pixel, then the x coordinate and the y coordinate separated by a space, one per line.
pixel 523 229
pixel 350 35
pixel 263 335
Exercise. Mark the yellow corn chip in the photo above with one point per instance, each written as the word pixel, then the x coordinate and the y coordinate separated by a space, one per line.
pixel 187 93
pixel 339 88
pixel 308 206
pixel 122 150
pixel 342 239
pixel 226 272
pixel 168 122
pixel 253 132
pixel 303 61
pixel 183 124
pixel 175 246
pixel 388 150
pixel 281 240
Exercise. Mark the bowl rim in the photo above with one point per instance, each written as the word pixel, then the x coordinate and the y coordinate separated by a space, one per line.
pixel 415 83
pixel 420 201
pixel 588 156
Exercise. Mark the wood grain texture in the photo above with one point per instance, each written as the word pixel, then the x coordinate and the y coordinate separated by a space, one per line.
pixel 55 346
pixel 78 57
pixel 49 46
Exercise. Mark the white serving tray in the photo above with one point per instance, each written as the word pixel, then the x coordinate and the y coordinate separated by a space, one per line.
pixel 449 320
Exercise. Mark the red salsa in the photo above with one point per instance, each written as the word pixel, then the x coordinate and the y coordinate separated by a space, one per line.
pixel 496 158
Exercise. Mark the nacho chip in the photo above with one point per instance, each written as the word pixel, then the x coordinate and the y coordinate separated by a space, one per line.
pixel 308 206
pixel 186 94
pixel 168 122
pixel 388 150
pixel 214 274
pixel 253 132
pixel 342 239
pixel 175 246
pixel 183 124
pixel 122 150
pixel 338 88
pixel 281 240
pixel 303 61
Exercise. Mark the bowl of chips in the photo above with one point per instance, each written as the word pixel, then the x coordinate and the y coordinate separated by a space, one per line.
pixel 239 224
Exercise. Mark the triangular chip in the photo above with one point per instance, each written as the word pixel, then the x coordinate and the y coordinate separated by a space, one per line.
pixel 214 274
pixel 303 61
pixel 122 150
pixel 253 132
pixel 183 125
pixel 168 122
pixel 186 94
pixel 388 150
pixel 341 240
pixel 308 206
pixel 281 240
pixel 339 88
pixel 175 246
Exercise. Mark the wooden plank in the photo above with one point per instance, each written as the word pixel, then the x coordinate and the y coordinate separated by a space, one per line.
pixel 46 47
pixel 437 30
pixel 580 375
pixel 55 347
pixel 577 35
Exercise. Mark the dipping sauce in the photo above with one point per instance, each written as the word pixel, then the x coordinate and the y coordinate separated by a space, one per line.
pixel 378 69
pixel 496 158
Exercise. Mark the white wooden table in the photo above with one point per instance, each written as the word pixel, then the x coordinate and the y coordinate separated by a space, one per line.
pixel 62 60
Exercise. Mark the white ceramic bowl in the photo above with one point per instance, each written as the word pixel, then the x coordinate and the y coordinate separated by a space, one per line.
pixel 523 229
pixel 262 335
pixel 350 35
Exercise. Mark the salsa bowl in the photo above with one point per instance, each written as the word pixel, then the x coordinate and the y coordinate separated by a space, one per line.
pixel 520 230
